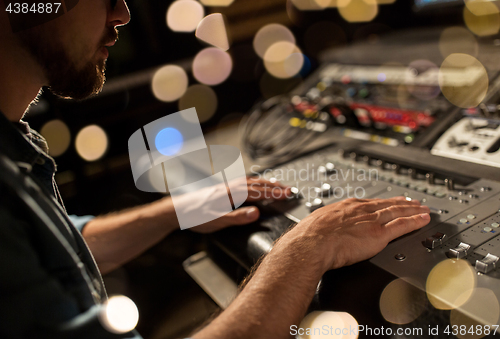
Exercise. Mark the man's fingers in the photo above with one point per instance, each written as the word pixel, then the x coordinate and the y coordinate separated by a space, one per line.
pixel 401 226
pixel 393 212
pixel 380 204
pixel 241 216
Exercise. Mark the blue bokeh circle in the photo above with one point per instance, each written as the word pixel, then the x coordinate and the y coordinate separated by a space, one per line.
pixel 169 141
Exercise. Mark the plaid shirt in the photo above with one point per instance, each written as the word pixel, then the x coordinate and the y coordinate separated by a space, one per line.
pixel 50 286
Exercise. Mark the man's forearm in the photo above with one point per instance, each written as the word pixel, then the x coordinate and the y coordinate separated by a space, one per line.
pixel 334 236
pixel 119 237
pixel 279 293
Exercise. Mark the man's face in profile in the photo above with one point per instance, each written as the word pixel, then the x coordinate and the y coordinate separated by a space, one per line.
pixel 70 49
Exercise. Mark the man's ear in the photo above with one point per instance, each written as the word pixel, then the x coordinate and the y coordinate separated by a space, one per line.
pixel 25 14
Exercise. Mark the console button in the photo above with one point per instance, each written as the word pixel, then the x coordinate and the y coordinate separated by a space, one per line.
pixel 434 241
pixel 487 264
pixel 460 251
pixel 495 225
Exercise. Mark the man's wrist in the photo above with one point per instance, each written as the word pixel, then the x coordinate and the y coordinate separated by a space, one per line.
pixel 316 248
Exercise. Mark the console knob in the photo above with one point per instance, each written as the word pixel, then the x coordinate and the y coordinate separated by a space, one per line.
pixel 431 180
pixel 314 205
pixel 450 184
pixel 460 251
pixel 434 241
pixel 330 167
pixel 326 169
pixel 487 264
pixel 295 193
pixel 323 190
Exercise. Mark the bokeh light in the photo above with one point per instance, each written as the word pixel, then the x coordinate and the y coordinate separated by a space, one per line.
pixel 463 80
pixel 481 309
pixel 283 59
pixel 401 302
pixel 457 40
pixel 341 324
pixel 218 3
pixel 358 10
pixel 91 143
pixel 201 97
pixel 57 135
pixel 482 18
pixel 120 315
pixel 212 30
pixel 450 284
pixel 169 141
pixel 169 83
pixel 211 66
pixel 269 35
pixel 184 15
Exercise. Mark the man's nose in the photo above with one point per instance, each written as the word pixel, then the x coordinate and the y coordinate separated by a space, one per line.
pixel 119 15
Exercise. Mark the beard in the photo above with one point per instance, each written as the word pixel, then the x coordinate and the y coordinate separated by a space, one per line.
pixel 65 77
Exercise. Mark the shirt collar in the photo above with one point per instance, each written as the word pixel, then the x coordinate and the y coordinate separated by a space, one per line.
pixel 20 143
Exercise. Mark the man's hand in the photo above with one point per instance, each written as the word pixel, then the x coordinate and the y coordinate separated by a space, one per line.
pixel 258 189
pixel 283 285
pixel 354 230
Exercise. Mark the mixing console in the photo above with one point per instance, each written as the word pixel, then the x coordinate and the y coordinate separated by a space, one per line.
pixel 465 218
pixel 384 120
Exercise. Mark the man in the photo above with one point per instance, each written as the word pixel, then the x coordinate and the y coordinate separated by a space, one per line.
pixel 50 286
